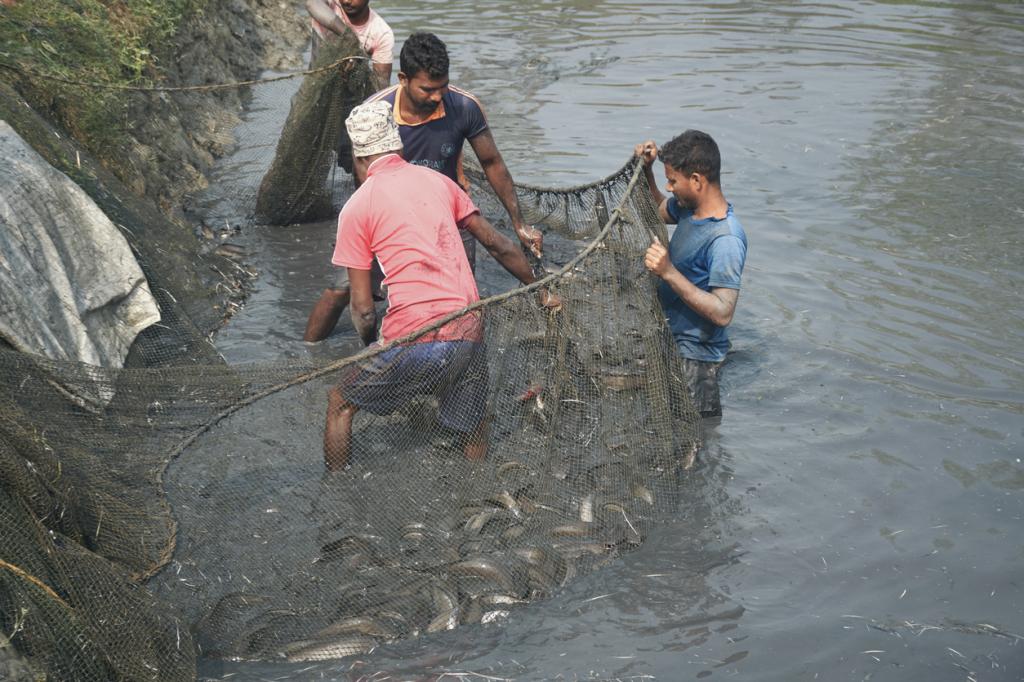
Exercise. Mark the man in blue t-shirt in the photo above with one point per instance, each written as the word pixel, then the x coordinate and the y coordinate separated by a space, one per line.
pixel 701 268
pixel 434 119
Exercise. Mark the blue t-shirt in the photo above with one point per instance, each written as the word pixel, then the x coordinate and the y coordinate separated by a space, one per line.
pixel 437 142
pixel 710 253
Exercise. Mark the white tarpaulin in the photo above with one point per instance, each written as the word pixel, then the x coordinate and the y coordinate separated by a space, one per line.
pixel 70 287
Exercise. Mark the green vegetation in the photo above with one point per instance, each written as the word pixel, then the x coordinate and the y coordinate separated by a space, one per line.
pixel 113 42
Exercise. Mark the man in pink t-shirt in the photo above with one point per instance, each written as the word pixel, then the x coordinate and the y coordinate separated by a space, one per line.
pixel 408 218
pixel 375 36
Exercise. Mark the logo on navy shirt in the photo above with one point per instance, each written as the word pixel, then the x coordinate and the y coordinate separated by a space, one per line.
pixel 447 149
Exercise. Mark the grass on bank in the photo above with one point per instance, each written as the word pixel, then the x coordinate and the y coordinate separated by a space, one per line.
pixel 114 42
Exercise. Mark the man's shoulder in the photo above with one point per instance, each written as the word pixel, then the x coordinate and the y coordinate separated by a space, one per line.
pixel 676 211
pixel 379 24
pixel 427 179
pixel 385 95
pixel 734 227
pixel 463 94
pixel 466 109
pixel 729 226
pixel 414 175
pixel 363 199
pixel 727 244
pixel 356 205
pixel 464 98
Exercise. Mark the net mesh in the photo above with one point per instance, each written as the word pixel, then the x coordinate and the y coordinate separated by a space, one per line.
pixel 295 188
pixel 156 514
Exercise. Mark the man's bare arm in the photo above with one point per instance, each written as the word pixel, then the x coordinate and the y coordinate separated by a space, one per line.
pixel 381 75
pixel 321 11
pixel 648 152
pixel 500 247
pixel 505 252
pixel 500 180
pixel 716 306
pixel 364 314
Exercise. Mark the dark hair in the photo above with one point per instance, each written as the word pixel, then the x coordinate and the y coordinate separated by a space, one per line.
pixel 693 152
pixel 424 52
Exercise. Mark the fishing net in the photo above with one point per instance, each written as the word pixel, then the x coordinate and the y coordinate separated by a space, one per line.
pixel 295 188
pixel 156 514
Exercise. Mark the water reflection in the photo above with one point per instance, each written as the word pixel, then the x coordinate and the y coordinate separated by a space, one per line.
pixel 944 245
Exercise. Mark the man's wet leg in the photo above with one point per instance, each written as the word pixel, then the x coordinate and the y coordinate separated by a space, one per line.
pixel 475 448
pixel 338 430
pixel 324 316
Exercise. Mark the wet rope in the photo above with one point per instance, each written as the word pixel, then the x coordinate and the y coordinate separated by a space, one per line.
pixel 576 189
pixel 30 73
pixel 21 573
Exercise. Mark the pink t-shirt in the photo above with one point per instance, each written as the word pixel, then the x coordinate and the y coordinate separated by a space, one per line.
pixel 407 216
pixel 375 36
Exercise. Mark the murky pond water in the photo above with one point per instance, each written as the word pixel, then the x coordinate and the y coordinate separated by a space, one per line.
pixel 858 512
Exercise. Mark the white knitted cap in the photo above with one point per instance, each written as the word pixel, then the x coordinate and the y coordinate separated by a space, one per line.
pixel 372 129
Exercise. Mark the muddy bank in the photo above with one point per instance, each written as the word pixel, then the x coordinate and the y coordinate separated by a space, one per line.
pixel 179 135
pixel 170 144
pixel 86 71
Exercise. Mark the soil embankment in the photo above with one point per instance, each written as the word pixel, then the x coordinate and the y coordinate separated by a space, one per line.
pixel 139 152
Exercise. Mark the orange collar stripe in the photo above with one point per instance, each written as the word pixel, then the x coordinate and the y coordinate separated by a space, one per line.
pixel 437 113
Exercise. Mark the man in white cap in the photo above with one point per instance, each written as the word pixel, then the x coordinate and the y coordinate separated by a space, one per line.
pixel 409 219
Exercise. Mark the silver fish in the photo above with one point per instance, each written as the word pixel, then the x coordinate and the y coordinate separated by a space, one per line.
pixel 641 492
pixel 492 616
pixel 355 549
pixel 574 529
pixel 479 520
pixel 500 599
pixel 324 650
pixel 613 507
pixel 587 509
pixel 357 625
pixel 229 250
pixel 447 610
pixel 512 533
pixel 571 550
pixel 487 568
pixel 546 569
pixel 531 555
pixel 511 468
pixel 492 520
pixel 504 499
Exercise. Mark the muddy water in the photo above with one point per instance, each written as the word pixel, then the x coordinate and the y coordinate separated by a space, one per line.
pixel 857 513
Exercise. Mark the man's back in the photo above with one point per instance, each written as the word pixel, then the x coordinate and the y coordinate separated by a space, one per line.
pixel 408 218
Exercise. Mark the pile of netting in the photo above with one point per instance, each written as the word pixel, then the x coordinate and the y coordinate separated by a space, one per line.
pixel 295 189
pixel 151 516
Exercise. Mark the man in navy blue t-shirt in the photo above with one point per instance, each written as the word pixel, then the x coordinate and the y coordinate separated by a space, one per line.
pixel 434 119
pixel 701 268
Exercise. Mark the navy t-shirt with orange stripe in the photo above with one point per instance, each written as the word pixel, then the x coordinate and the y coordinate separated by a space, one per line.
pixel 437 142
